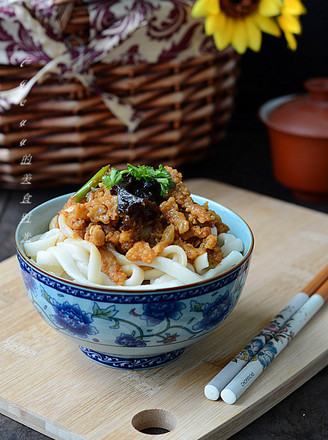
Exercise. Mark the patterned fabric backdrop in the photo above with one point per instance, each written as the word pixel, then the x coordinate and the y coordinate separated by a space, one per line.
pixel 120 32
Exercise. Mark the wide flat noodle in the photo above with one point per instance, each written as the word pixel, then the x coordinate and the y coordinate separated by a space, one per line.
pixel 229 243
pixel 201 263
pixel 166 265
pixel 57 251
pixel 136 274
pixel 42 242
pixel 227 263
pixel 175 270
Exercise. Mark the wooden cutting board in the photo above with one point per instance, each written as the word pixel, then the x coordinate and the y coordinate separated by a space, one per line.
pixel 48 384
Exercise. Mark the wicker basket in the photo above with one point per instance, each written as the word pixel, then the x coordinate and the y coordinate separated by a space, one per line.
pixel 71 133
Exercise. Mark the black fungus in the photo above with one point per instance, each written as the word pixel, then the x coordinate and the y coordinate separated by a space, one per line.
pixel 137 197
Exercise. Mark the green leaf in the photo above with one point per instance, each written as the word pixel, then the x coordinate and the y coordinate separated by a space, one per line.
pixel 196 306
pixel 107 313
pixel 148 173
pixel 112 178
pixel 46 295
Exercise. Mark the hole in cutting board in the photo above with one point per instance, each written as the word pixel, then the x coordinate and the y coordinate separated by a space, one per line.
pixel 154 421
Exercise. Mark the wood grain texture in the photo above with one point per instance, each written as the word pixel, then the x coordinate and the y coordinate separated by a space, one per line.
pixel 49 385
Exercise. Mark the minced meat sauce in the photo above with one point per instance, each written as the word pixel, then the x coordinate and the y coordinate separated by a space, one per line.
pixel 140 223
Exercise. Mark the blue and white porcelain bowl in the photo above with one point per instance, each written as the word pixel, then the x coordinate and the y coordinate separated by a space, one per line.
pixel 132 329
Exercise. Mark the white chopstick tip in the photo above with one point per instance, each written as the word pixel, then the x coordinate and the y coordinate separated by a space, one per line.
pixel 211 392
pixel 228 396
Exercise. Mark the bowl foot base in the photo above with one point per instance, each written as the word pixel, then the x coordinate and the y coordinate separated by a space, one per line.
pixel 133 363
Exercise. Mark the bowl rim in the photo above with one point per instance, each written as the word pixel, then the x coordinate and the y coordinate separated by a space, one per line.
pixel 126 290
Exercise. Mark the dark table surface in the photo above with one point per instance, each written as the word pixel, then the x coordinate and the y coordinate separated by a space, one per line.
pixel 242 159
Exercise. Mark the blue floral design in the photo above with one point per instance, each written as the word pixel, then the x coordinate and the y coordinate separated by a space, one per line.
pixel 29 282
pixel 129 340
pixel 250 350
pixel 267 355
pixel 156 313
pixel 73 319
pixel 254 347
pixel 213 313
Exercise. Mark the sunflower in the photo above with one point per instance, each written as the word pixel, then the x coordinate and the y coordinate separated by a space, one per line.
pixel 289 21
pixel 241 22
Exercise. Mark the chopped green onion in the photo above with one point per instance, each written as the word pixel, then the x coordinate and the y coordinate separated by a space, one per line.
pixel 92 183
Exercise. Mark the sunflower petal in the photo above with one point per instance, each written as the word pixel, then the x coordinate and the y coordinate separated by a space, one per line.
pixel 269 8
pixel 294 7
pixel 229 29
pixel 203 8
pixel 223 32
pixel 220 42
pixel 267 25
pixel 290 24
pixel 254 35
pixel 291 40
pixel 212 23
pixel 239 36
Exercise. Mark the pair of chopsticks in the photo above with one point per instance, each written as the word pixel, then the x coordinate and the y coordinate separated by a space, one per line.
pixel 234 379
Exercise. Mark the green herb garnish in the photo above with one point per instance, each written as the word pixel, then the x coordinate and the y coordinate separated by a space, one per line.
pixel 145 172
pixel 112 178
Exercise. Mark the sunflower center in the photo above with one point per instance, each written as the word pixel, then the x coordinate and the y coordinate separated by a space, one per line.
pixel 238 8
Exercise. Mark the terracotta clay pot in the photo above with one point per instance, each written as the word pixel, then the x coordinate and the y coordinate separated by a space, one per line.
pixel 298 131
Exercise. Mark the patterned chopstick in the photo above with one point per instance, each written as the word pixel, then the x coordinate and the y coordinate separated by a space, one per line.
pixel 213 389
pixel 270 351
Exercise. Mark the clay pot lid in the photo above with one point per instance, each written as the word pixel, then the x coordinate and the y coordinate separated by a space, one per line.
pixel 304 114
